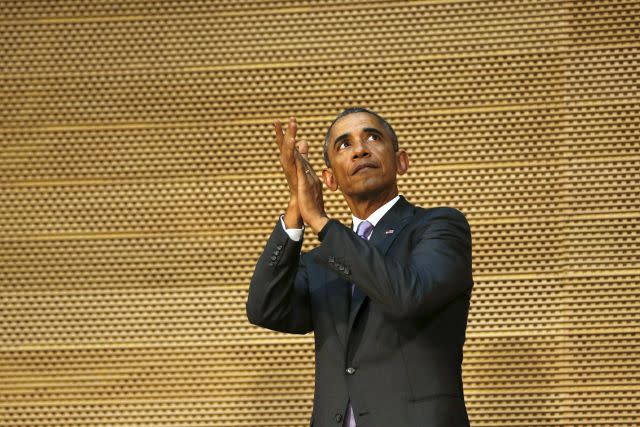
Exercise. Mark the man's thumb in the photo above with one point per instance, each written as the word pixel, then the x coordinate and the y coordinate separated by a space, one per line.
pixel 303 148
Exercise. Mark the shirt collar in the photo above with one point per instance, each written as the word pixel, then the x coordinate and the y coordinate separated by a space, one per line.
pixel 375 217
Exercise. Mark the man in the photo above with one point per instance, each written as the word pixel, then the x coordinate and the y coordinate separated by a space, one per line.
pixel 388 305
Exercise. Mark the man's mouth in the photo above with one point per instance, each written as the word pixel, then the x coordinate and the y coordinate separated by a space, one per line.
pixel 363 166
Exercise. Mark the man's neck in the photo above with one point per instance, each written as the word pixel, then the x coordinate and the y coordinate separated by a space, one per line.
pixel 363 207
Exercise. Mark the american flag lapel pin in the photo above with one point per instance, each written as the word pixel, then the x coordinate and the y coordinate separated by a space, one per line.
pixel 389 231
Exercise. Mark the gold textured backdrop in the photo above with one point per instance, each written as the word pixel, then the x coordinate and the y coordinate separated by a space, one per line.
pixel 139 180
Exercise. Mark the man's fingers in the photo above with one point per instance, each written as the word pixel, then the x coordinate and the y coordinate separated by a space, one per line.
pixel 300 168
pixel 292 129
pixel 298 160
pixel 289 144
pixel 287 137
pixel 293 124
pixel 303 166
pixel 303 149
pixel 279 135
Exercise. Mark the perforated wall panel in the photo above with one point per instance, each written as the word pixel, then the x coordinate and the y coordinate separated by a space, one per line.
pixel 139 181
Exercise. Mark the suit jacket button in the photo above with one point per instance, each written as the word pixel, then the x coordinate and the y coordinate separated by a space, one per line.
pixel 351 370
pixel 338 418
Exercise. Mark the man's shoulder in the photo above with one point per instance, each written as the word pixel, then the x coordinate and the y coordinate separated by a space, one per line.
pixel 439 212
pixel 441 221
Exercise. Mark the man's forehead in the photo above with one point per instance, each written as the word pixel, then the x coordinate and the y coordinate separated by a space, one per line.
pixel 354 122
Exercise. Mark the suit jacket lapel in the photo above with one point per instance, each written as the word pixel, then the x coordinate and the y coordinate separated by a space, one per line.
pixel 384 233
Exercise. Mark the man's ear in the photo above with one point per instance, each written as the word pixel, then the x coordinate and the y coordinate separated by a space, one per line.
pixel 329 179
pixel 402 162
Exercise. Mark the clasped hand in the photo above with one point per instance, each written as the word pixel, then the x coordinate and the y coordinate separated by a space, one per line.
pixel 306 202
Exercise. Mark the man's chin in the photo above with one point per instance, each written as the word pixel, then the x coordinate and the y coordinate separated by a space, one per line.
pixel 368 188
pixel 365 170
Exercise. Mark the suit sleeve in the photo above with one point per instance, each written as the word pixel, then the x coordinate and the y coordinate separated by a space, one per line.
pixel 437 270
pixel 278 294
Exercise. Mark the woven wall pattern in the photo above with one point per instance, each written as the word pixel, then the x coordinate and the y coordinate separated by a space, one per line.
pixel 139 180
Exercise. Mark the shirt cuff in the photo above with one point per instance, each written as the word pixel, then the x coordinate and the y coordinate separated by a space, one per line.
pixel 295 234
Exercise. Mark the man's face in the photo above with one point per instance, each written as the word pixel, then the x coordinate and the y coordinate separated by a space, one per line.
pixel 363 161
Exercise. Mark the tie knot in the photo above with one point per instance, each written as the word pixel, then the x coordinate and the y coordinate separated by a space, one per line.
pixel 364 229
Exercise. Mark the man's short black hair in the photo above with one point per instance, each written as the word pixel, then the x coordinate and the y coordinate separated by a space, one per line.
pixel 352 110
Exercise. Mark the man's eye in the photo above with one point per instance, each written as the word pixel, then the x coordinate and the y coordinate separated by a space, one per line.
pixel 374 137
pixel 342 145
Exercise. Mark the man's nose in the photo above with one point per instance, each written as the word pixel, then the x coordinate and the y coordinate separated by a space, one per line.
pixel 360 149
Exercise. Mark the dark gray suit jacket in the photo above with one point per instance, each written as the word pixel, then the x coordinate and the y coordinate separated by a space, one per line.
pixel 397 353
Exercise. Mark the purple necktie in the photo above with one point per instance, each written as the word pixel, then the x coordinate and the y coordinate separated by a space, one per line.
pixel 364 230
